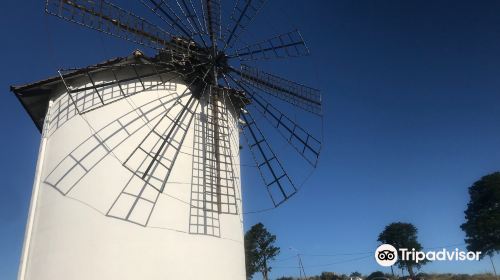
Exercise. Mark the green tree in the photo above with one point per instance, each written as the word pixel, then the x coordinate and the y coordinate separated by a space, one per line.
pixel 355 274
pixel 259 250
pixel 376 274
pixel 482 217
pixel 403 235
pixel 329 276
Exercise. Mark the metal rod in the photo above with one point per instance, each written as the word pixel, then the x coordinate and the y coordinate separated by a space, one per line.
pixel 267 49
pixel 237 23
pixel 175 22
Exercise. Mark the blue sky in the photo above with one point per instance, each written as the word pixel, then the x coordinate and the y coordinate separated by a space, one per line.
pixel 411 100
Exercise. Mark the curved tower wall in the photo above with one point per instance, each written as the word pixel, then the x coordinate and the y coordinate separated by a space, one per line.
pixel 95 215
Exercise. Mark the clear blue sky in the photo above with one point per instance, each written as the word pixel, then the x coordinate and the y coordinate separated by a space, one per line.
pixel 412 111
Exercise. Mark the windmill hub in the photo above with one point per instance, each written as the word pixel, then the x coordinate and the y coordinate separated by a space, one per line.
pixel 221 62
pixel 198 65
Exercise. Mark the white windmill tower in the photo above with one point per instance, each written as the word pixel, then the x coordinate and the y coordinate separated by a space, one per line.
pixel 138 172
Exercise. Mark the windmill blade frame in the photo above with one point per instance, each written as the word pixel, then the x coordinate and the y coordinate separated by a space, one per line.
pixel 212 12
pixel 170 17
pixel 306 145
pixel 240 22
pixel 287 45
pixel 193 19
pixel 192 13
pixel 301 96
pixel 108 18
pixel 278 184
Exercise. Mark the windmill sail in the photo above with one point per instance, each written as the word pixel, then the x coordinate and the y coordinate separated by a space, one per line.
pixel 290 44
pixel 113 20
pixel 212 15
pixel 304 97
pixel 164 11
pixel 243 13
pixel 278 184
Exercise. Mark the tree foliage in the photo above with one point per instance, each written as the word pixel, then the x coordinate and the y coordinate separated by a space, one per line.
pixel 421 276
pixel 376 274
pixel 355 274
pixel 403 235
pixel 482 226
pixel 330 276
pixel 259 250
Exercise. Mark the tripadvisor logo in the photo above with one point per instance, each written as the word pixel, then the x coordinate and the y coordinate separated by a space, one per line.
pixel 387 255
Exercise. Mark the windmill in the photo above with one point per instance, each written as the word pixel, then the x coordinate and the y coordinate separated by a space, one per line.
pixel 125 138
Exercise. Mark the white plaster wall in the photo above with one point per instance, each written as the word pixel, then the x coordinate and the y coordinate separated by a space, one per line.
pixel 77 232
